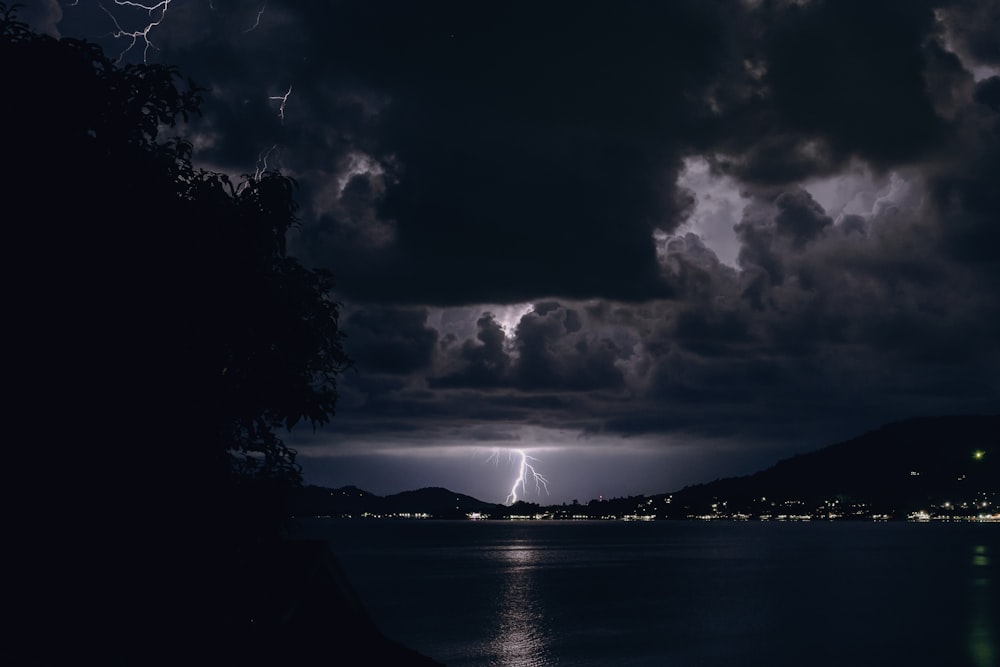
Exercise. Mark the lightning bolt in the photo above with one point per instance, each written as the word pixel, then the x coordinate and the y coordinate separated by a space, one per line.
pixel 135 35
pixel 257 21
pixel 284 101
pixel 262 162
pixel 156 10
pixel 525 472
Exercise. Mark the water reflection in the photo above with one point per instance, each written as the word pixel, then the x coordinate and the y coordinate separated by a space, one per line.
pixel 521 638
pixel 982 639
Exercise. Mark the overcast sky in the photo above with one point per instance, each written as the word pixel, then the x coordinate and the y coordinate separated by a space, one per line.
pixel 648 243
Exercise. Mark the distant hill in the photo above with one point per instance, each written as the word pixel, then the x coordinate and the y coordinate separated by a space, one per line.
pixel 351 501
pixel 345 501
pixel 437 502
pixel 901 467
pixel 946 466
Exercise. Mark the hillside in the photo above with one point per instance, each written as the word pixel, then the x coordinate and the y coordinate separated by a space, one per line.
pixel 350 501
pixel 937 463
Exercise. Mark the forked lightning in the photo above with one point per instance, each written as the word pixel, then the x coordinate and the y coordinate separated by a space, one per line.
pixel 525 471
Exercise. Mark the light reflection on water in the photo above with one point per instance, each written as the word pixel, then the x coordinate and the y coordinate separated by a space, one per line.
pixel 521 637
pixel 680 594
pixel 982 639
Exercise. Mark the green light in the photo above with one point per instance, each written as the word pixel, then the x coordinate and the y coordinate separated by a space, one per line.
pixel 978 454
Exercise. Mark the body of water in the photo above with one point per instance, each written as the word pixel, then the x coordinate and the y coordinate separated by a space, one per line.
pixel 678 594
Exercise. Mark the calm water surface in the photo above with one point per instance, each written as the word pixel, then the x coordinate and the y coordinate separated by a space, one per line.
pixel 676 593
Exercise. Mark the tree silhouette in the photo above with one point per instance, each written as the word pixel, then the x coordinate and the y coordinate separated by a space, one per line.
pixel 164 334
pixel 129 215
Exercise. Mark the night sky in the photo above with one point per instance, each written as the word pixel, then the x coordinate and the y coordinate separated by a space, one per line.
pixel 648 243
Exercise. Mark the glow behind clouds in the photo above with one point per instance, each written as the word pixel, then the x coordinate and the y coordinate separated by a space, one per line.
pixel 718 208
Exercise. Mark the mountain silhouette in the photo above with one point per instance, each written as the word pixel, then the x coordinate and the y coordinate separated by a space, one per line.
pixel 898 468
pixel 948 463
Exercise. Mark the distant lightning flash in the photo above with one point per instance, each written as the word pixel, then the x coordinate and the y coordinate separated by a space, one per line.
pixel 525 471
pixel 261 167
pixel 284 101
pixel 257 21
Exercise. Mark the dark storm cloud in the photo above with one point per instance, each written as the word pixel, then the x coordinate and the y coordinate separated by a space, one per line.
pixel 830 323
pixel 552 355
pixel 824 82
pixel 851 72
pixel 548 350
pixel 519 153
pixel 964 187
pixel 493 434
pixel 483 362
pixel 771 227
pixel 975 25
pixel 450 153
pixel 390 340
pixel 538 151
pixel 988 93
pixel 461 159
pixel 42 15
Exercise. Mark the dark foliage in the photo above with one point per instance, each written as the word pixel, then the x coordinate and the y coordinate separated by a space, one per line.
pixel 164 337
pixel 163 259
